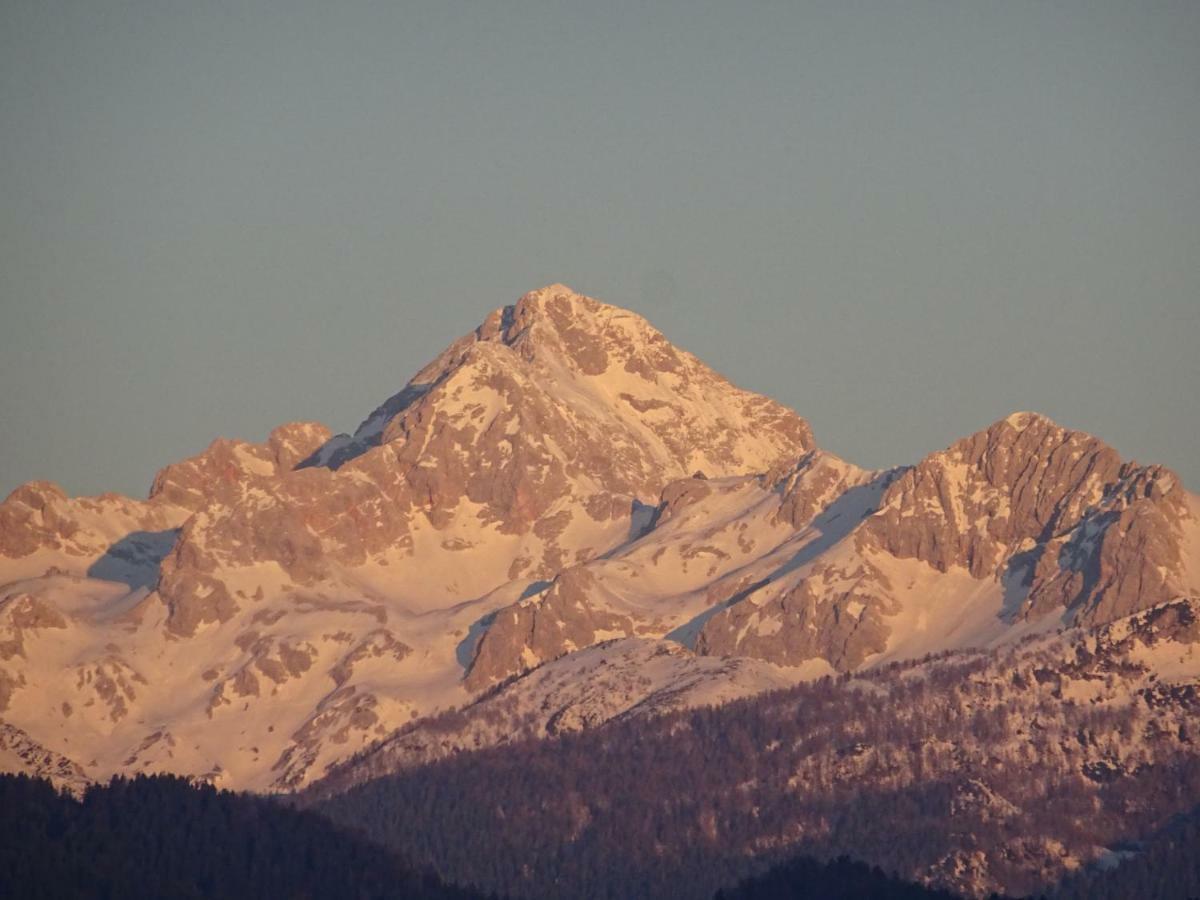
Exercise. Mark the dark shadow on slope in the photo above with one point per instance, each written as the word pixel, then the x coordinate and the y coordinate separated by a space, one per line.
pixel 687 633
pixel 341 448
pixel 465 651
pixel 641 520
pixel 834 523
pixel 838 519
pixel 534 587
pixel 1016 581
pixel 1078 559
pixel 1081 558
pixel 135 559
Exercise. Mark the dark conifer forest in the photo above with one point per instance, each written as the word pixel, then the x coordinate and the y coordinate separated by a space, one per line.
pixel 925 780
pixel 162 837
pixel 1165 868
pixel 804 878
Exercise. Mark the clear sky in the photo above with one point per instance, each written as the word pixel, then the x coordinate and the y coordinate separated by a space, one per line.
pixel 903 219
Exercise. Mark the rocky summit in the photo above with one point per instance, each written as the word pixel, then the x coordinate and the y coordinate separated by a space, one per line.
pixel 562 519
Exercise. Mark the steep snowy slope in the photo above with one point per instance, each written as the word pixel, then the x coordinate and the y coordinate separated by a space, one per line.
pixel 1021 527
pixel 986 771
pixel 616 679
pixel 272 608
pixel 559 477
pixel 712 543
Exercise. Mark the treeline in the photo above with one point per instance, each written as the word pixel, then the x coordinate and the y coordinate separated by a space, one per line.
pixel 1166 867
pixel 162 837
pixel 805 878
pixel 978 774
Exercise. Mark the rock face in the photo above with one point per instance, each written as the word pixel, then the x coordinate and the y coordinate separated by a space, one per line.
pixel 548 425
pixel 559 477
pixel 616 679
pixel 1041 506
pixel 1033 522
pixel 570 365
pixel 568 616
pixel 272 607
pixel 833 613
pixel 20 753
pixel 41 527
pixel 707 539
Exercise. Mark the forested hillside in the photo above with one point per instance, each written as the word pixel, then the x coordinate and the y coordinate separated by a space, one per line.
pixel 162 837
pixel 1167 867
pixel 804 878
pixel 972 772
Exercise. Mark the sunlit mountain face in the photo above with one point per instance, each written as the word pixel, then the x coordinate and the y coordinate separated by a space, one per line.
pixel 566 536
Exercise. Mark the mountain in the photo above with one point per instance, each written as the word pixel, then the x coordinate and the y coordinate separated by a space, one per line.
pixel 561 478
pixel 973 771
pixel 1026 525
pixel 271 608
pixel 615 680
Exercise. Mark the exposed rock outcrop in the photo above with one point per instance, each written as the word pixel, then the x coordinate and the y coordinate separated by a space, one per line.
pixel 518 426
pixel 1054 510
pixel 569 615
pixel 1053 518
pixel 559 477
pixel 256 591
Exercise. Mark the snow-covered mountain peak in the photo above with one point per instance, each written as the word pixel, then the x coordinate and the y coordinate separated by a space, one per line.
pixel 1024 418
pixel 559 476
pixel 559 361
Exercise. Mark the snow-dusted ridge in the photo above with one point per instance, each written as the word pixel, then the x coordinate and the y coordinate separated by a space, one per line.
pixel 560 477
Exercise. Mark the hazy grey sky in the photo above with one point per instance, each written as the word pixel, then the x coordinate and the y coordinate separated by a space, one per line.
pixel 904 220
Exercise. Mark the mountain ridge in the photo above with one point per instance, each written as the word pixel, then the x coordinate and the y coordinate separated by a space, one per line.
pixel 558 477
